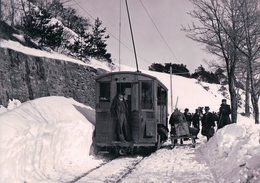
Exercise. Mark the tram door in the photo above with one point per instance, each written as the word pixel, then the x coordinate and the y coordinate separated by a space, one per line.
pixel 131 96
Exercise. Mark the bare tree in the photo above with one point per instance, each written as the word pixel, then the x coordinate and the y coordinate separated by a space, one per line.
pixel 219 29
pixel 250 48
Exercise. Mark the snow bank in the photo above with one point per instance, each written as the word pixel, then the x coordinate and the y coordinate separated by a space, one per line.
pixel 46 140
pixel 234 152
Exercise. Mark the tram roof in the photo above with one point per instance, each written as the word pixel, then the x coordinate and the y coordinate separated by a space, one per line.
pixel 132 73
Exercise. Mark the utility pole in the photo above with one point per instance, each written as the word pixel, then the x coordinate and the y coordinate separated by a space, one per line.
pixel 171 88
pixel 119 41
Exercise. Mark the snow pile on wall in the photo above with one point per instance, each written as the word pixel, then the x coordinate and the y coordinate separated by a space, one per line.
pixel 2 109
pixel 46 140
pixel 234 152
pixel 13 104
pixel 53 55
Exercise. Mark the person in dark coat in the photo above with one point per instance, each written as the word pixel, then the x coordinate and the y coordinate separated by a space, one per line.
pixel 176 118
pixel 119 112
pixel 208 124
pixel 196 120
pixel 188 116
pixel 224 112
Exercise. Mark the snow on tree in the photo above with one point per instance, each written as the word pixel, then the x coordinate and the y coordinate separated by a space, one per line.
pixel 39 24
pixel 98 41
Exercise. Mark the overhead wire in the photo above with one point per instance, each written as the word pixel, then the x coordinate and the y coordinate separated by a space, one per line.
pixel 112 35
pixel 159 32
pixel 119 49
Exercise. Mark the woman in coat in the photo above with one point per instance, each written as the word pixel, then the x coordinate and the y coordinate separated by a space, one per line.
pixel 224 112
pixel 208 124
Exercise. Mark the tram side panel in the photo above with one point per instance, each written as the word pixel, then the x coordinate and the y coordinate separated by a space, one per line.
pixel 105 126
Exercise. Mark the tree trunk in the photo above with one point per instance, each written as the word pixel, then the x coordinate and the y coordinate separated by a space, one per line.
pixel 256 108
pixel 247 103
pixel 12 12
pixel 254 97
pixel 233 97
pixel 1 10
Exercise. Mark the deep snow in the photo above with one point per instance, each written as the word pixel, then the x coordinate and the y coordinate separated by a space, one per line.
pixel 234 152
pixel 49 139
pixel 46 140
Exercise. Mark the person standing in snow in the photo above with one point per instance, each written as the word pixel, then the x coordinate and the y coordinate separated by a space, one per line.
pixel 196 120
pixel 208 124
pixel 224 112
pixel 180 126
pixel 119 112
pixel 176 118
pixel 187 116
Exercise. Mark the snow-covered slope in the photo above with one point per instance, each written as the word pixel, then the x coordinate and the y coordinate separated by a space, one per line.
pixel 53 55
pixel 46 140
pixel 49 139
pixel 187 93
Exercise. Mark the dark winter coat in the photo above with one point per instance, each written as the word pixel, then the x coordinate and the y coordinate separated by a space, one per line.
pixel 207 120
pixel 224 112
pixel 179 125
pixel 177 117
pixel 208 124
pixel 119 112
pixel 188 117
pixel 196 120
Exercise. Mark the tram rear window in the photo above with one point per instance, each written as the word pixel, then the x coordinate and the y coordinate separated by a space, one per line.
pixel 104 92
pixel 161 96
pixel 146 95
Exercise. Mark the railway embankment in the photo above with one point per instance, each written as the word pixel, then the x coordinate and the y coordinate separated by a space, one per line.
pixel 26 77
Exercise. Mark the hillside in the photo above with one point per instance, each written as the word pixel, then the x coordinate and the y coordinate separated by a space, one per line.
pixel 49 139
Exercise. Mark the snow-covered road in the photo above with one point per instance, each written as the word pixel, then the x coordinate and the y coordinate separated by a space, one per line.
pixel 181 164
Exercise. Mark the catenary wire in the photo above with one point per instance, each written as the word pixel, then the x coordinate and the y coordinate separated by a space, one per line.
pixel 157 29
pixel 122 43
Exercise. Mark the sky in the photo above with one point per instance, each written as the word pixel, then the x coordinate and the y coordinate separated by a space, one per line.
pixel 168 15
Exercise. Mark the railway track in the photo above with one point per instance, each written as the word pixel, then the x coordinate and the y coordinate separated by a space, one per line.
pixel 88 172
pixel 114 170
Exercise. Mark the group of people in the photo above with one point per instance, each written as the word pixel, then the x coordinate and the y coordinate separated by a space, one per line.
pixel 207 120
pixel 193 122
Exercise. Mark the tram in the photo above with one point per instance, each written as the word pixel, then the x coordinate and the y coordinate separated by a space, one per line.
pixel 146 99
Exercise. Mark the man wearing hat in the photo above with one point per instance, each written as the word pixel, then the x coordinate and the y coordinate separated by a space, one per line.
pixel 208 123
pixel 119 113
pixel 224 112
pixel 188 116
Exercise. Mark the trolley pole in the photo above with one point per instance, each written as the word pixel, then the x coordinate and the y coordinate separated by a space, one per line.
pixel 132 35
pixel 171 88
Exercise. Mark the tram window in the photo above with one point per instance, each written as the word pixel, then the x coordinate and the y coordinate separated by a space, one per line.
pixel 161 96
pixel 104 92
pixel 146 95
